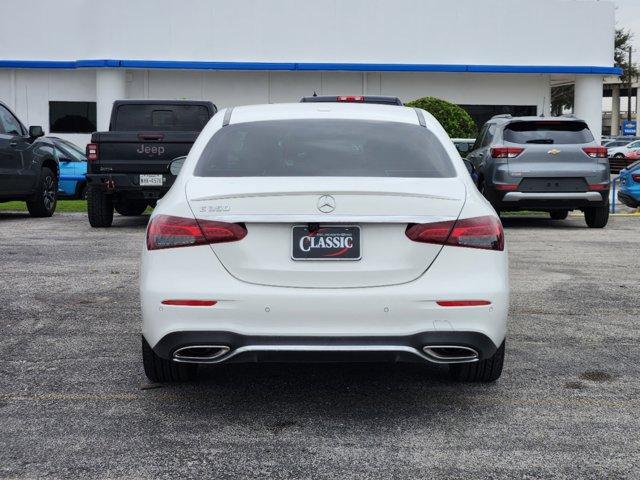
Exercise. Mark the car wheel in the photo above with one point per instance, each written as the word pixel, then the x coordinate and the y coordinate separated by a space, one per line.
pixel 559 214
pixel 160 370
pixel 488 370
pixel 131 208
pixel 99 208
pixel 597 217
pixel 44 202
pixel 81 194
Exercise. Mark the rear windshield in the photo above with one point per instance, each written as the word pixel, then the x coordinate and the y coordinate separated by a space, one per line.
pixel 324 148
pixel 548 132
pixel 168 118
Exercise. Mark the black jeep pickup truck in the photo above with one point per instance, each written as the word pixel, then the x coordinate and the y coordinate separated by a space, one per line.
pixel 128 166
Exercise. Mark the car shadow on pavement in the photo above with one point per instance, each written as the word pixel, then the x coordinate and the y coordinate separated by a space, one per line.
pixel 5 216
pixel 542 222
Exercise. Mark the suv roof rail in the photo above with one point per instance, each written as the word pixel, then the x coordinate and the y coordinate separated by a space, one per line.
pixel 502 115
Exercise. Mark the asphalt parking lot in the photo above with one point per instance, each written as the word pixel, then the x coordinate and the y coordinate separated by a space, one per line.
pixel 74 401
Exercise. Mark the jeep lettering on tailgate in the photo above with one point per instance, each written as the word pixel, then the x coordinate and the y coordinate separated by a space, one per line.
pixel 150 150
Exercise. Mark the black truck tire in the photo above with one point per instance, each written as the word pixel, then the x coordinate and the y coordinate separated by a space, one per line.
pixel 131 208
pixel 159 370
pixel 484 371
pixel 43 203
pixel 597 217
pixel 99 208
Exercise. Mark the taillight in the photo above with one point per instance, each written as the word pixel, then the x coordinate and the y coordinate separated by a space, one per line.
pixel 596 152
pixel 351 98
pixel 477 232
pixel 92 152
pixel 636 177
pixel 506 152
pixel 166 231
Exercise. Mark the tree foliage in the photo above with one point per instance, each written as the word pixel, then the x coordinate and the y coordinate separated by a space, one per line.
pixel 454 119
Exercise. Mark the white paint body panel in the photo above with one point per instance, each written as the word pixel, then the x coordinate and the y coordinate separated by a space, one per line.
pixel 326 308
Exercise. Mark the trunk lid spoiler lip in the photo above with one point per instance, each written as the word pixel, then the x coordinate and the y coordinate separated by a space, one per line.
pixel 326 192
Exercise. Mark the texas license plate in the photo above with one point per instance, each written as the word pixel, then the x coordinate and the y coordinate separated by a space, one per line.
pixel 151 180
pixel 326 243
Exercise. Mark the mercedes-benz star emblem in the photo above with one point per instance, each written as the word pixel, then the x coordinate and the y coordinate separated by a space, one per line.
pixel 326 204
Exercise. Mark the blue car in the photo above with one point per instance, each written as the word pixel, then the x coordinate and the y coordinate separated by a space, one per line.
pixel 73 167
pixel 629 192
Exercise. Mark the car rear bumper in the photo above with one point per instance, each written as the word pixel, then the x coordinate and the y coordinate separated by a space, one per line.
pixel 628 200
pixel 237 348
pixel 552 200
pixel 128 182
pixel 352 314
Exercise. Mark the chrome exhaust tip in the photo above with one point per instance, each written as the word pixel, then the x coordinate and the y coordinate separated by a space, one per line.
pixel 200 353
pixel 451 353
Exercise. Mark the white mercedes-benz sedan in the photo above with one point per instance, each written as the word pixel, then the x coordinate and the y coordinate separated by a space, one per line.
pixel 323 232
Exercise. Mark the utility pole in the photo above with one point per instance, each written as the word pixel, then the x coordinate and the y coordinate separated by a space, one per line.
pixel 629 85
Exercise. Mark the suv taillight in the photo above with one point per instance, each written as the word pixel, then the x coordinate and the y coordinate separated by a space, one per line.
pixel 596 152
pixel 477 232
pixel 167 231
pixel 636 177
pixel 351 98
pixel 92 152
pixel 506 152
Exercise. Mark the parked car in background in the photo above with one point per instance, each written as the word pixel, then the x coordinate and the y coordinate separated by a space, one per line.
pixel 73 167
pixel 613 142
pixel 629 181
pixel 550 164
pixel 28 166
pixel 351 232
pixel 128 165
pixel 463 145
pixel 618 155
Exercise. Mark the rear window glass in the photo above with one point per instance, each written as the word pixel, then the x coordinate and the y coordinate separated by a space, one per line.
pixel 324 148
pixel 547 132
pixel 168 118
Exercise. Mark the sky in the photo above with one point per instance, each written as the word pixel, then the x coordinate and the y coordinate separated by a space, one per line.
pixel 628 17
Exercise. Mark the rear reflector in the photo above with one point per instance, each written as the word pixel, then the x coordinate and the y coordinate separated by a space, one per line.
pixel 596 152
pixel 506 152
pixel 190 303
pixel 636 177
pixel 462 303
pixel 506 187
pixel 166 231
pixel 599 186
pixel 478 232
pixel 358 98
pixel 92 152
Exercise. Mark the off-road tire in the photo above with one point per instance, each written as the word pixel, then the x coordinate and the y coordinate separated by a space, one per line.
pixel 132 208
pixel 43 203
pixel 99 208
pixel 559 214
pixel 597 217
pixel 484 371
pixel 159 370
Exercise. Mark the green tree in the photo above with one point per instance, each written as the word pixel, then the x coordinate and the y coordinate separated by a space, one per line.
pixel 562 95
pixel 454 119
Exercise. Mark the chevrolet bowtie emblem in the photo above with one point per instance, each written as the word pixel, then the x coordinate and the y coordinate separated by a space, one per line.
pixel 553 151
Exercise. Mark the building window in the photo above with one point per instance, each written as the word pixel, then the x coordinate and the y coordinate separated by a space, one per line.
pixel 72 117
pixel 482 113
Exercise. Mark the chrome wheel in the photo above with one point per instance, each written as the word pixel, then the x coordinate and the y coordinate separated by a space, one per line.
pixel 49 191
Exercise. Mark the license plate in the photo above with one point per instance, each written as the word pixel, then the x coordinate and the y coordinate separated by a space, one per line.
pixel 327 243
pixel 151 180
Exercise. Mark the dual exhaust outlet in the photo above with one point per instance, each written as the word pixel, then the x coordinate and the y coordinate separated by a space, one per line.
pixel 432 353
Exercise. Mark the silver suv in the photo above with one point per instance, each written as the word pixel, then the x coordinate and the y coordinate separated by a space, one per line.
pixel 550 164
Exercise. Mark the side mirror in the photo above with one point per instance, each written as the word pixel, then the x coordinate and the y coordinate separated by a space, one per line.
pixel 176 165
pixel 35 131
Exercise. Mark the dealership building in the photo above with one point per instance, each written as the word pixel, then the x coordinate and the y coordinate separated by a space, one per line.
pixel 63 63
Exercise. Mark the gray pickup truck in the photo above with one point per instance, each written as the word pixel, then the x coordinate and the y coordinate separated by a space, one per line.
pixel 128 166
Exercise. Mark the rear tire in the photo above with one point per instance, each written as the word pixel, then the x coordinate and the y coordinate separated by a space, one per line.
pixel 559 214
pixel 484 371
pixel 597 217
pixel 159 370
pixel 44 201
pixel 132 208
pixel 99 208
